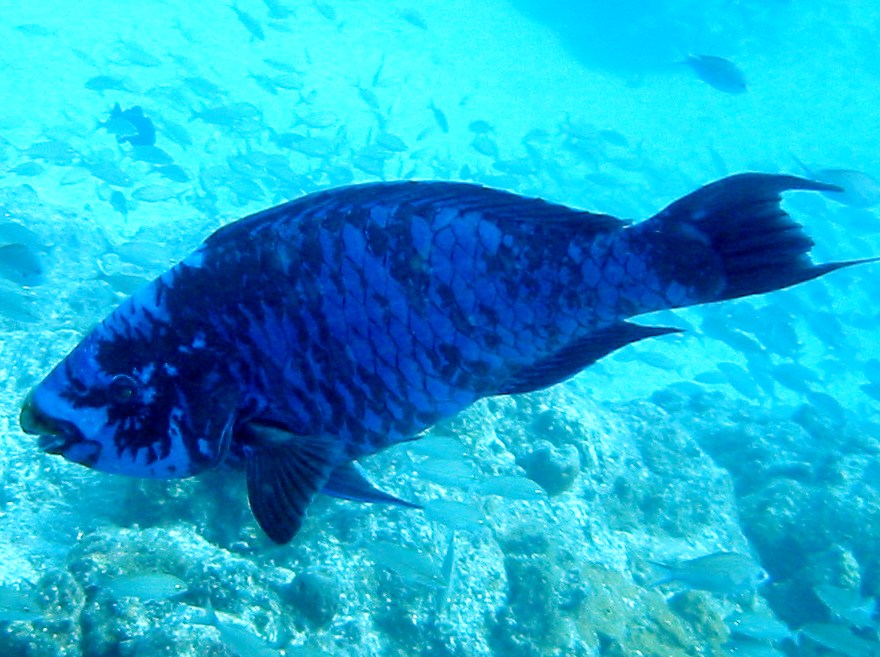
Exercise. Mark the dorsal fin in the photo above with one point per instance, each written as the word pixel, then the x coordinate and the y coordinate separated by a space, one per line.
pixel 413 196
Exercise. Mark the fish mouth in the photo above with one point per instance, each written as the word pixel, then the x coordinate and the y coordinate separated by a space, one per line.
pixel 55 435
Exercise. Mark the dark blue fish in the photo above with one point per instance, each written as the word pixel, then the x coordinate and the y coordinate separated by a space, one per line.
pixel 303 337
pixel 131 126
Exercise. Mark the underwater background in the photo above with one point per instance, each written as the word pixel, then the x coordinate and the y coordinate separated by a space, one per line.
pixel 711 493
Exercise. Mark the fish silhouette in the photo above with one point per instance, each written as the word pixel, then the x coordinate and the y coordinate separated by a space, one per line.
pixel 717 72
pixel 131 126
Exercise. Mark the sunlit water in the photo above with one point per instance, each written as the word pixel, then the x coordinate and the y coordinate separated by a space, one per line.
pixel 772 453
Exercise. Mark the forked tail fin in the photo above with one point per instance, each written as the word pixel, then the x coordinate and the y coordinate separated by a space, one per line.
pixel 731 239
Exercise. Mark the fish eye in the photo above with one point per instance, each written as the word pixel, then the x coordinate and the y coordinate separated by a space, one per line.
pixel 123 389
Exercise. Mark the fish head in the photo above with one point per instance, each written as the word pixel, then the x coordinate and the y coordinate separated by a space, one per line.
pixel 761 577
pixel 133 398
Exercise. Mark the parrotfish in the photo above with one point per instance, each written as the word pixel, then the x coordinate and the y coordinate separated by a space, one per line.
pixel 299 339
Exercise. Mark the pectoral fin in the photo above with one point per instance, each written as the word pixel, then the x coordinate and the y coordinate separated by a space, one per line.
pixel 284 471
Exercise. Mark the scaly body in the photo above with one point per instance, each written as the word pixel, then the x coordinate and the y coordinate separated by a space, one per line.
pixel 371 321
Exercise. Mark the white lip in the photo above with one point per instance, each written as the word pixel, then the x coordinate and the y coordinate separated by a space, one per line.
pixel 54 435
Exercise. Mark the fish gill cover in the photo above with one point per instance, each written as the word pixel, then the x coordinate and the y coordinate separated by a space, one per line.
pixel 739 453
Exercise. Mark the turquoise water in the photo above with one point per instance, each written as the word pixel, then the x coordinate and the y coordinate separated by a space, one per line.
pixel 753 432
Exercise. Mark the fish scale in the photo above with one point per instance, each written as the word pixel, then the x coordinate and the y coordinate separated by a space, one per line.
pixel 303 337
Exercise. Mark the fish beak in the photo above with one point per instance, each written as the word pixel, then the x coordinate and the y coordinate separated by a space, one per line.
pixel 30 419
pixel 54 435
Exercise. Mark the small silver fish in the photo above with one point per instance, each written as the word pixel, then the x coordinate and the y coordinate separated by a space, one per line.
pixel 479 126
pixel 314 146
pixel 16 304
pixel 847 605
pixel 750 648
pixel 439 117
pixel 391 142
pixel 264 82
pixel 318 119
pixel 726 573
pixel 102 83
pixel 135 54
pixel 413 17
pixel 18 604
pixel 455 515
pixel 74 176
pixel 144 253
pixel 150 154
pixel 147 586
pixel 52 150
pixel 484 144
pixel 512 488
pixel 236 635
pixel 758 626
pixel 203 88
pixel 326 10
pixel 719 73
pixel 447 575
pixel 251 24
pixel 155 193
pixel 121 283
pixel 441 447
pixel 12 231
pixel 232 115
pixel 34 29
pixel 118 202
pixel 794 376
pixel 110 173
pixel 408 563
pixel 292 81
pixel 710 377
pixel 857 189
pixel 839 639
pixel 27 169
pixel 446 472
pixel 369 97
pixel 19 264
pixel 173 172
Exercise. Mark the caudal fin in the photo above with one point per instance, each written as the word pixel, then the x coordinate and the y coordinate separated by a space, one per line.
pixel 753 244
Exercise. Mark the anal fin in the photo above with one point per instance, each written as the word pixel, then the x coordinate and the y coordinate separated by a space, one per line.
pixel 349 482
pixel 571 359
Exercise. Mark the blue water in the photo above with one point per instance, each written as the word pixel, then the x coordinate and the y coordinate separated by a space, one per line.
pixel 755 431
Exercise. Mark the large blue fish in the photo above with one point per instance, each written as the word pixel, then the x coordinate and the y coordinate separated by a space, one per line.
pixel 301 338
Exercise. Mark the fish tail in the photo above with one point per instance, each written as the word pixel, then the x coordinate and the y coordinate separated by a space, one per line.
pixel 666 572
pixel 732 239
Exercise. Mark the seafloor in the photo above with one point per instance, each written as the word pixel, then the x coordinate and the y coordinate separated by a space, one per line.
pixel 756 431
